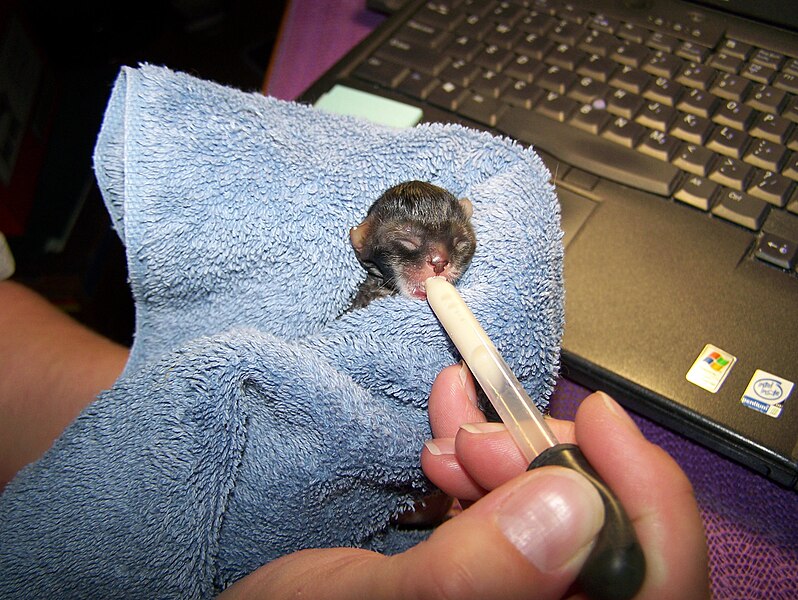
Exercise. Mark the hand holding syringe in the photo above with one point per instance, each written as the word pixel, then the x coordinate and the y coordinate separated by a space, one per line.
pixel 615 567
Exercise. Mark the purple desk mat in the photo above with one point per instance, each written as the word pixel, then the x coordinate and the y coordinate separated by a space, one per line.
pixel 751 524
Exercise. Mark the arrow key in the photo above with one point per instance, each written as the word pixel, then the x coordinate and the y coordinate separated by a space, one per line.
pixel 777 251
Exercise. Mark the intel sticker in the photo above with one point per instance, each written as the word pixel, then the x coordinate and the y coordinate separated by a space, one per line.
pixel 767 393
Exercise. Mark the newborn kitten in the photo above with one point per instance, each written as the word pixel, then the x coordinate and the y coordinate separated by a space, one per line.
pixel 415 230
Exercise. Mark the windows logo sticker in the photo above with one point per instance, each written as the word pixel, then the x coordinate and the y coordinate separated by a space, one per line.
pixel 716 361
pixel 710 369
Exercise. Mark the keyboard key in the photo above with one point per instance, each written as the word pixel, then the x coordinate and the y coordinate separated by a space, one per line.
pixel 630 54
pixel 698 102
pixel 493 58
pixel 765 98
pixel 522 94
pixel 537 23
pixel 566 32
pixel 474 26
pixel 664 90
pixel 631 32
pixel 416 56
pixel 503 36
pixel 631 80
pixel 734 114
pixel 589 118
pixel 491 83
pixel 693 52
pixel 741 208
pixel 659 145
pixel 730 172
pixel 729 86
pixel 771 187
pixel 555 79
pixel 461 72
pixel 792 140
pixel 663 42
pixel 447 96
pixel 655 115
pixel 728 141
pixel 736 48
pixel 791 168
pixel 694 159
pixel 417 85
pixel 624 104
pixel 422 34
pixel 464 47
pixel 382 72
pixel 767 58
pixel 791 110
pixel 662 64
pixel 757 72
pixel 535 46
pixel 787 82
pixel 439 14
pixel 691 128
pixel 725 62
pixel 765 155
pixel 770 127
pixel 601 44
pixel 591 153
pixel 556 106
pixel 587 89
pixel 624 132
pixel 524 68
pixel 601 22
pixel 777 251
pixel 566 57
pixel 695 75
pixel 597 67
pixel 791 66
pixel 482 109
pixel 697 191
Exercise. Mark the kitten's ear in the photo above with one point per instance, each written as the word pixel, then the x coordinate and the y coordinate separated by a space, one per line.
pixel 358 235
pixel 468 208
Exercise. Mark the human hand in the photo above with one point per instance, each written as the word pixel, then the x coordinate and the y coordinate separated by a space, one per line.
pixel 526 534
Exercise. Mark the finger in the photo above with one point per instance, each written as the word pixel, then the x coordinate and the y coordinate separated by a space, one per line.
pixel 483 456
pixel 443 468
pixel 453 401
pixel 656 494
pixel 527 537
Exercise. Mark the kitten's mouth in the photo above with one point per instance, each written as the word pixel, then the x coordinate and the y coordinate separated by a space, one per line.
pixel 419 293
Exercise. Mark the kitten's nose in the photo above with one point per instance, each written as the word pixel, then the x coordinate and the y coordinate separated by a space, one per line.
pixel 438 264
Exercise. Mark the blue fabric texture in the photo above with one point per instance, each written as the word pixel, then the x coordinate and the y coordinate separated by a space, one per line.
pixel 254 418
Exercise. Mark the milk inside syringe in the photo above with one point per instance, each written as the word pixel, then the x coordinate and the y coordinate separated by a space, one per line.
pixel 505 392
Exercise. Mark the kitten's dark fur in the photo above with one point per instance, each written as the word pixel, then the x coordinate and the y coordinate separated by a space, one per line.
pixel 413 231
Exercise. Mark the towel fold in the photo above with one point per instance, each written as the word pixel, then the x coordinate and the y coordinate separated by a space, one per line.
pixel 254 418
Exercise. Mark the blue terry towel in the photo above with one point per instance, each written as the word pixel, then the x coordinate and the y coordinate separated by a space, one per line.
pixel 253 419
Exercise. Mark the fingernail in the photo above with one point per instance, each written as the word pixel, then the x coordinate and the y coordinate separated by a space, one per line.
pixel 488 427
pixel 469 389
pixel 440 446
pixel 552 518
pixel 619 413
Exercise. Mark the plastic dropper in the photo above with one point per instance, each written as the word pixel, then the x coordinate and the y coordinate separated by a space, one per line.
pixel 615 567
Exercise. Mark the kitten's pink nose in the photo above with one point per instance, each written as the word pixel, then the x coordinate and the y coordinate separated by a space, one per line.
pixel 438 264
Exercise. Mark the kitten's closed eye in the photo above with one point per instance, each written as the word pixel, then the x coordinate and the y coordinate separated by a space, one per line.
pixel 409 242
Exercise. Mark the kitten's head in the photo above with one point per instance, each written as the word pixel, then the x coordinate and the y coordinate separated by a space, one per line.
pixel 415 230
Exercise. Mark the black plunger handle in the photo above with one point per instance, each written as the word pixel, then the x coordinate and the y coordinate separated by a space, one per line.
pixel 615 568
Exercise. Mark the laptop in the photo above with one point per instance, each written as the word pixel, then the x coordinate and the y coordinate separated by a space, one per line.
pixel 671 131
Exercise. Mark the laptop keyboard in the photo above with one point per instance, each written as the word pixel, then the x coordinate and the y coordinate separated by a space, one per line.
pixel 672 107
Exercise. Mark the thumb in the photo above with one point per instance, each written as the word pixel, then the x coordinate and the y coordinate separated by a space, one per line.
pixel 527 538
